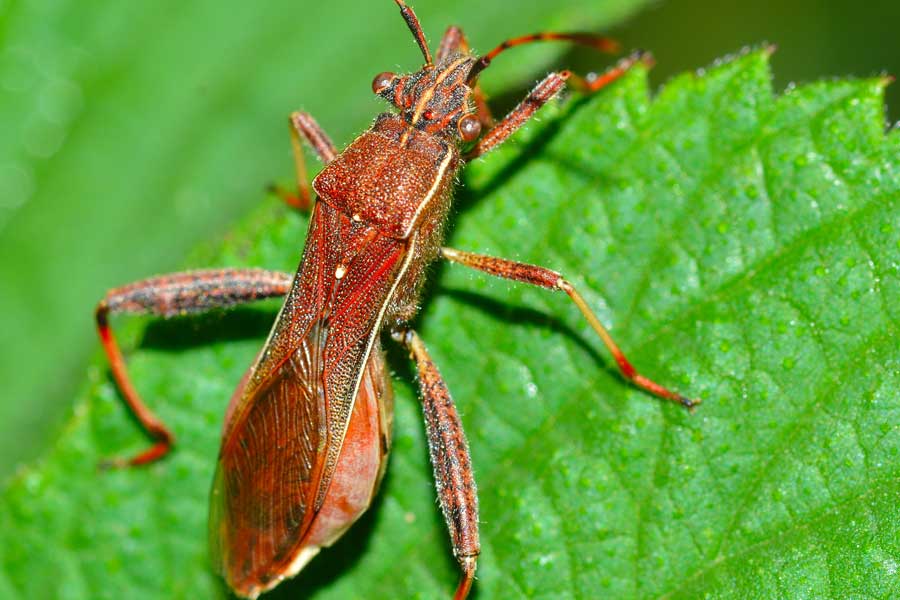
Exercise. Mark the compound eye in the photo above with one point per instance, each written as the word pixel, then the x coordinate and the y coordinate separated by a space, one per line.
pixel 382 81
pixel 469 128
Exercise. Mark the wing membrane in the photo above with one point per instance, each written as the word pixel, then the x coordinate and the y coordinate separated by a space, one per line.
pixel 265 481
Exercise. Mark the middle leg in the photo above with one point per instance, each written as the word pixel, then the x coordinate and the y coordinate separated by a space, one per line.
pixel 190 292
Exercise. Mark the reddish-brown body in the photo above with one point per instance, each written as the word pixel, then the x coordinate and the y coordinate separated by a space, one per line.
pixel 307 433
pixel 358 270
pixel 301 416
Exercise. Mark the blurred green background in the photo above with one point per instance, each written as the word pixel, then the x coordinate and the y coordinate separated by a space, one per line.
pixel 133 131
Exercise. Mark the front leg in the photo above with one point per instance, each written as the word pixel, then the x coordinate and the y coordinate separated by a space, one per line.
pixel 190 292
pixel 450 459
pixel 552 280
pixel 543 92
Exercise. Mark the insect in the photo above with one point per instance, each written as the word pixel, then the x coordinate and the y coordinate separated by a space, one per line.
pixel 307 432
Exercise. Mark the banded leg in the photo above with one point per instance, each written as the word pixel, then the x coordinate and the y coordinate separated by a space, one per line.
pixel 454 40
pixel 168 296
pixel 450 459
pixel 552 280
pixel 303 125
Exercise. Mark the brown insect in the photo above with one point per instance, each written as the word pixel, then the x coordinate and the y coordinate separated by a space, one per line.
pixel 307 433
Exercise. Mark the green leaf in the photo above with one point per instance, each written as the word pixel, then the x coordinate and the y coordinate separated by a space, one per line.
pixel 742 247
pixel 126 129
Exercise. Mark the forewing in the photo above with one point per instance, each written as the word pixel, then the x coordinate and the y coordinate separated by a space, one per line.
pixel 283 435
pixel 266 480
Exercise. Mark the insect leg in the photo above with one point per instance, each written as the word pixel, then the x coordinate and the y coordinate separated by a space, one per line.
pixel 303 125
pixel 540 95
pixel 454 40
pixel 552 280
pixel 168 296
pixel 594 82
pixel 543 92
pixel 450 459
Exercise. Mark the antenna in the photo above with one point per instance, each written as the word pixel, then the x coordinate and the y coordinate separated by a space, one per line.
pixel 413 22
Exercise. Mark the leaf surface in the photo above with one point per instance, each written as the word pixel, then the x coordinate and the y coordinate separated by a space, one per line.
pixel 741 246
